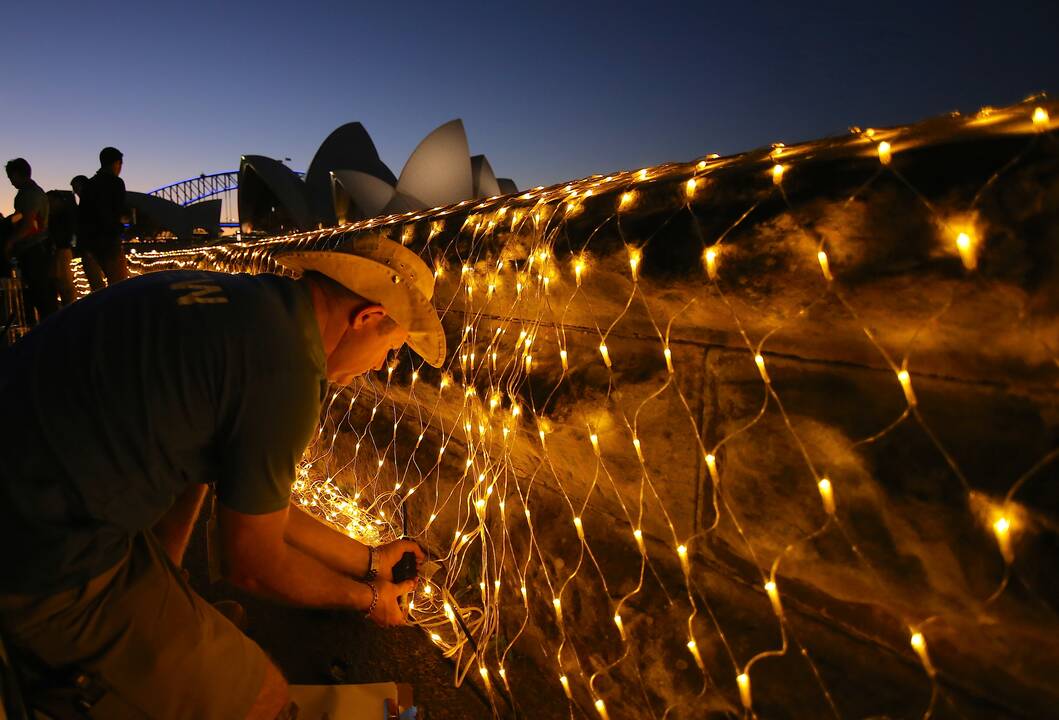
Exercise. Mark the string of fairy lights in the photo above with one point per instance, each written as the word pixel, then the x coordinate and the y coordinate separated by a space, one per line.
pixel 508 277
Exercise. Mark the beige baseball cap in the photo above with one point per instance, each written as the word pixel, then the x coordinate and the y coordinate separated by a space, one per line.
pixel 386 273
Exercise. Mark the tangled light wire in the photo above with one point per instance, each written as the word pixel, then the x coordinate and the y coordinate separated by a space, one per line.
pixel 510 271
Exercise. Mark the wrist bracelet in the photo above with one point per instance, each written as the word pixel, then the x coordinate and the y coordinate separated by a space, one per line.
pixel 374 599
pixel 372 572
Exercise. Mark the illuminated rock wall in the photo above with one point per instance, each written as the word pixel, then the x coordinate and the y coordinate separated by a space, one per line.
pixel 772 434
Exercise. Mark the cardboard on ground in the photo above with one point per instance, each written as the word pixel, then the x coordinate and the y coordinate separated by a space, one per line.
pixel 348 702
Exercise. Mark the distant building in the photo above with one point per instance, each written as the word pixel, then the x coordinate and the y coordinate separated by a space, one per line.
pixel 348 181
pixel 153 217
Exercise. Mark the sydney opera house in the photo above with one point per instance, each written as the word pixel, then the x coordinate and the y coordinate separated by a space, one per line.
pixel 345 181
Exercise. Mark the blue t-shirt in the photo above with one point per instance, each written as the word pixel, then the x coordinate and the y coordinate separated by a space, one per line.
pixel 114 405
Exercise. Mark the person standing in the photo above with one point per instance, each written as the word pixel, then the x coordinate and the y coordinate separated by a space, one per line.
pixel 61 209
pixel 84 232
pixel 28 241
pixel 107 204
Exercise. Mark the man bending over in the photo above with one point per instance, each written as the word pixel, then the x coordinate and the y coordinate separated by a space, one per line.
pixel 120 411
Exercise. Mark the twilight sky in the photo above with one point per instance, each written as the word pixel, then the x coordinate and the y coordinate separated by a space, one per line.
pixel 549 91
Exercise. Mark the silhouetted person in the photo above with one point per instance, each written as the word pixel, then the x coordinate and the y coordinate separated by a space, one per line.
pixel 106 198
pixel 28 241
pixel 61 211
pixel 83 225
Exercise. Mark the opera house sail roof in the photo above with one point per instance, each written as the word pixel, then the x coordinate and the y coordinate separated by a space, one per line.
pixel 347 181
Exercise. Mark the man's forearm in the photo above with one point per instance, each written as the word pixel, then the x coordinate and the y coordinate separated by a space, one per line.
pixel 174 528
pixel 317 539
pixel 298 578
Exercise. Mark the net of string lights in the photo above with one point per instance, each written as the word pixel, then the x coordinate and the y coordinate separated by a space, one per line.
pixel 770 435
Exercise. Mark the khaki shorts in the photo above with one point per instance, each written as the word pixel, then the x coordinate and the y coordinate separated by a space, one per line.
pixel 149 642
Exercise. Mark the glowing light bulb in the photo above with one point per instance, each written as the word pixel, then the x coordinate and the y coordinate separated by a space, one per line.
pixel 827 495
pixel 558 605
pixel 668 355
pixel 759 359
pixel 777 173
pixel 580 528
pixel 579 269
pixel 824 265
pixel 967 246
pixel 682 553
pixel 636 444
pixel 562 358
pixel 566 686
pixel 638 535
pixel 595 442
pixel 919 644
pixel 906 385
pixel 690 186
pixel 601 708
pixel 1002 530
pixel 711 465
pixel 635 255
pixel 1040 118
pixel 604 353
pixel 627 199
pixel 884 152
pixel 774 597
pixel 503 675
pixel 743 680
pixel 621 627
pixel 693 648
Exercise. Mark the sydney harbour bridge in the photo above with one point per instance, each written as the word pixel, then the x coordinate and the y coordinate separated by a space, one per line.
pixel 223 185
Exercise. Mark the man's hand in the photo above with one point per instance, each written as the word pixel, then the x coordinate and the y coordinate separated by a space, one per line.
pixel 387 612
pixel 386 556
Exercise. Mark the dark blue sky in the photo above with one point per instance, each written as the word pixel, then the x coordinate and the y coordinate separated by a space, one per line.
pixel 548 91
